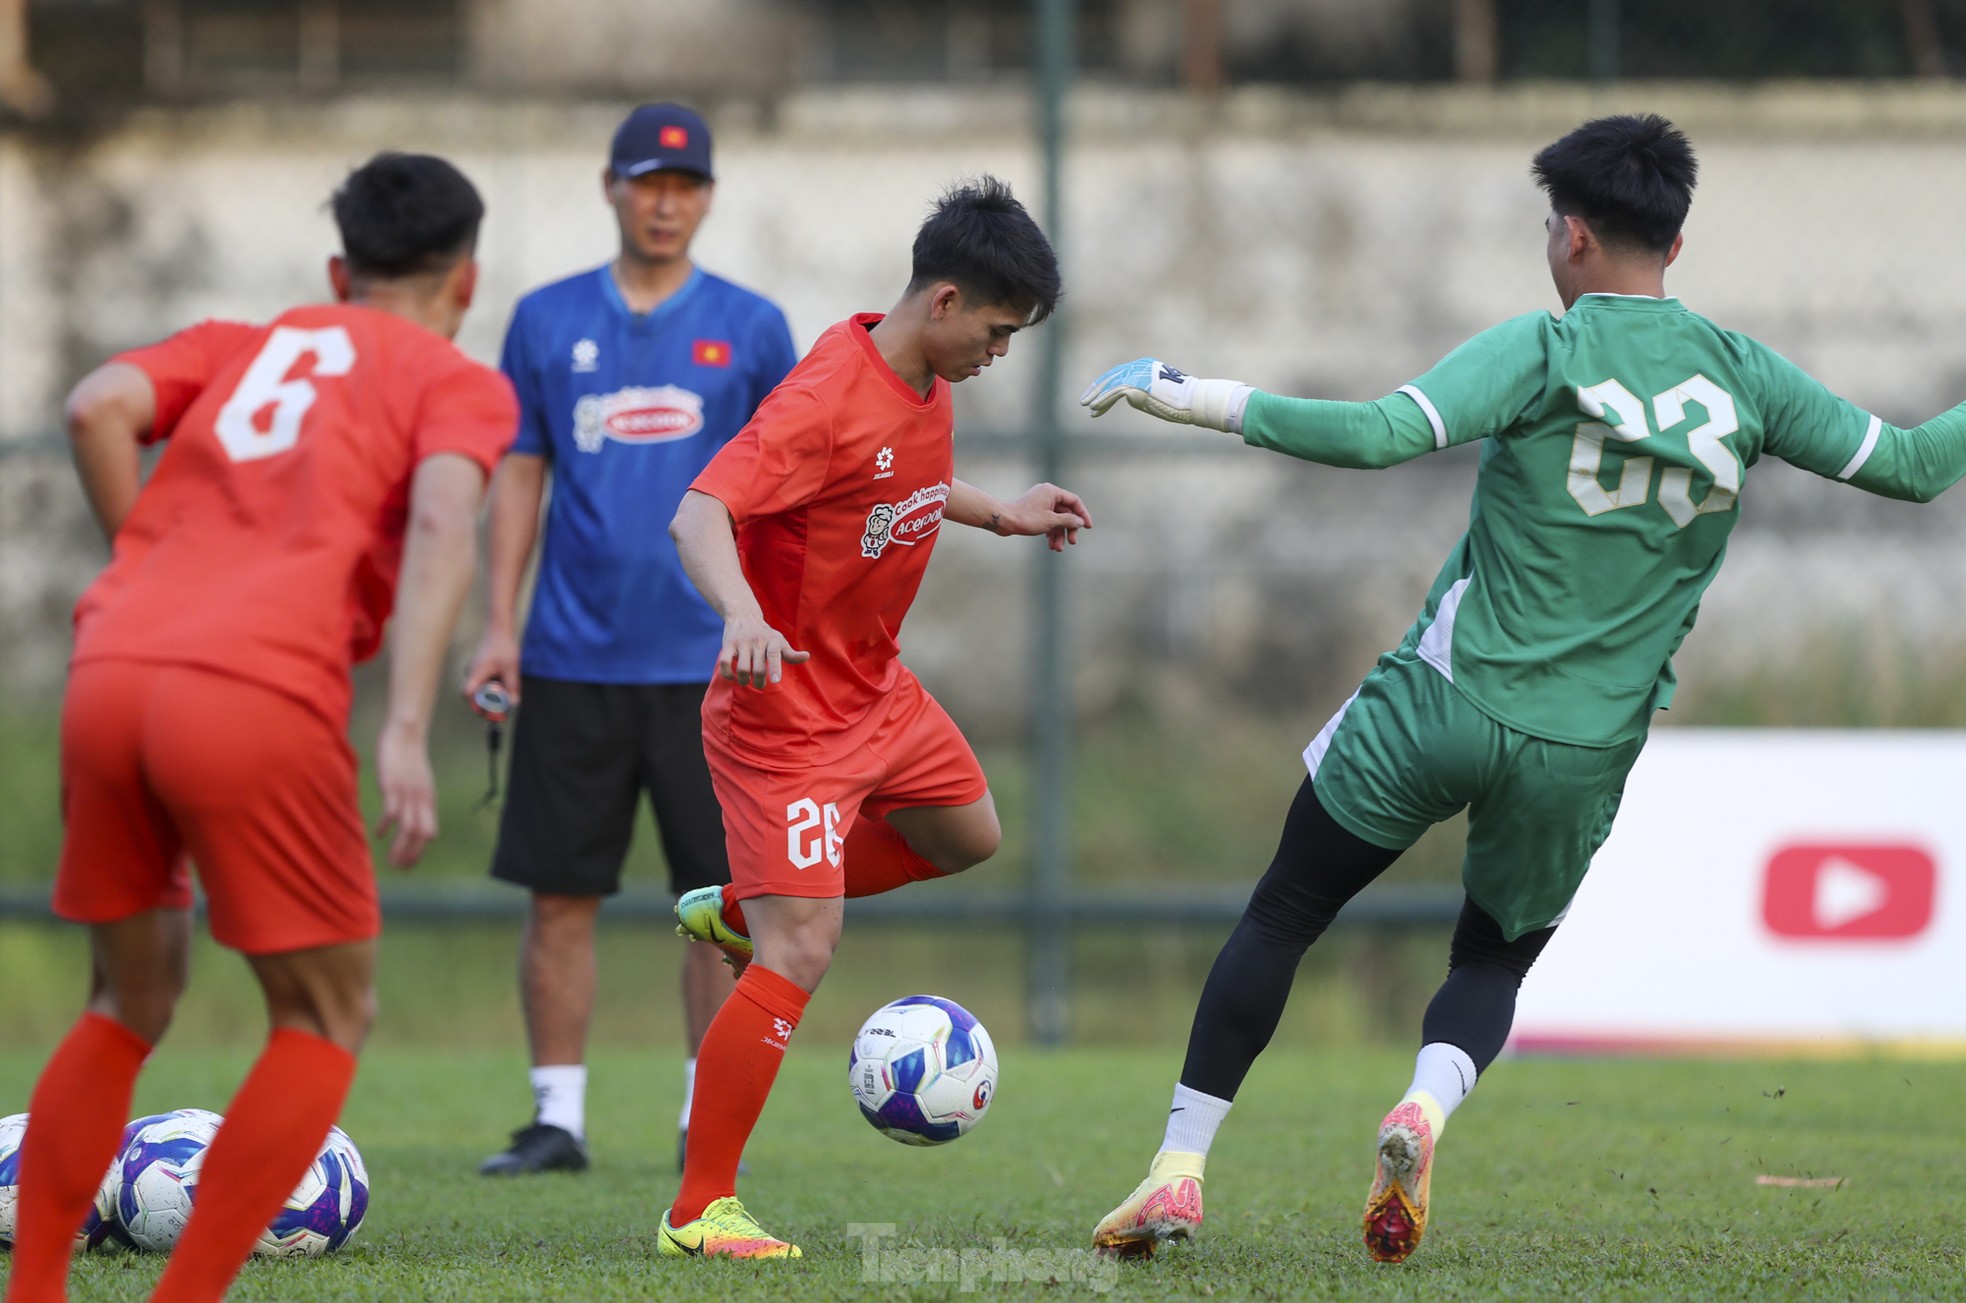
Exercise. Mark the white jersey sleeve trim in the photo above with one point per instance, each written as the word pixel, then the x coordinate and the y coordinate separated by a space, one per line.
pixel 1314 753
pixel 1433 415
pixel 1864 451
pixel 1437 643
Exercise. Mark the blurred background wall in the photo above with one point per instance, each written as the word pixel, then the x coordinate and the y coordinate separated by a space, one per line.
pixel 1316 196
pixel 1326 244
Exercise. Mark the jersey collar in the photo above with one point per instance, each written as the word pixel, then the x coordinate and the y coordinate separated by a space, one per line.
pixel 861 327
pixel 663 310
pixel 1607 298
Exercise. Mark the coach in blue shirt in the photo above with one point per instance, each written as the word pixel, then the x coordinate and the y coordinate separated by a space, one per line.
pixel 630 377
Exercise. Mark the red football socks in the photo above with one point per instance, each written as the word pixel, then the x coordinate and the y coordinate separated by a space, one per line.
pixel 877 859
pixel 741 1053
pixel 273 1130
pixel 75 1118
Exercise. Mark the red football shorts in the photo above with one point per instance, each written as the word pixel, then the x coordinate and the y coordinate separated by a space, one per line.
pixel 164 762
pixel 785 827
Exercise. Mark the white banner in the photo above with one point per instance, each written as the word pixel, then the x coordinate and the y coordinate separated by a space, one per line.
pixel 1769 889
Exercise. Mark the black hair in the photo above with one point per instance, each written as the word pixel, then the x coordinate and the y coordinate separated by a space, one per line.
pixel 980 239
pixel 1630 177
pixel 404 214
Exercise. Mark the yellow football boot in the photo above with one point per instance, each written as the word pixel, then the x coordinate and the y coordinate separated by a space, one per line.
pixel 724 1230
pixel 700 917
pixel 1165 1206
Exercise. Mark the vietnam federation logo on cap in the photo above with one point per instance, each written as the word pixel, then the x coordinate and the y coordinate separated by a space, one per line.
pixel 673 137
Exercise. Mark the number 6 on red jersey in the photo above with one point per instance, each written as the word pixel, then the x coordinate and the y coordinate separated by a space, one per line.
pixel 265 383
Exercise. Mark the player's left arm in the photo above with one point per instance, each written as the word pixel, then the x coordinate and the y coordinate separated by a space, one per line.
pixel 1477 390
pixel 1058 514
pixel 1919 463
pixel 109 415
pixel 465 419
pixel 1912 464
pixel 439 554
pixel 1810 427
pixel 1356 435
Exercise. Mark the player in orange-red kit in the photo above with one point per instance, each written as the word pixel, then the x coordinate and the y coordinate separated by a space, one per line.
pixel 315 465
pixel 838 774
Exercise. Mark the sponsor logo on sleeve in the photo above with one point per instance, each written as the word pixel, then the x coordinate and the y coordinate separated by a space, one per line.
pixel 638 415
pixel 910 521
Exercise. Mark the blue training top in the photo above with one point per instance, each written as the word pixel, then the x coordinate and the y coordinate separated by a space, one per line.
pixel 627 410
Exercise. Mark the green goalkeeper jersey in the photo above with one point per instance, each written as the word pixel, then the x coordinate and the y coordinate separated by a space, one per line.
pixel 1617 441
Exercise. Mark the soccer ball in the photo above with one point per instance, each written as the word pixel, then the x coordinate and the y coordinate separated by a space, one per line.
pixel 104 1224
pixel 159 1177
pixel 159 1185
pixel 922 1070
pixel 11 1131
pixel 99 1228
pixel 325 1208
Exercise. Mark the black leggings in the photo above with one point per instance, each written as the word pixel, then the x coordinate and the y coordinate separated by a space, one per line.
pixel 1318 867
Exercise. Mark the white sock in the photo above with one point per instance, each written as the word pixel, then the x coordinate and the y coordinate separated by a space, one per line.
pixel 1445 1072
pixel 559 1093
pixel 1192 1120
pixel 689 1091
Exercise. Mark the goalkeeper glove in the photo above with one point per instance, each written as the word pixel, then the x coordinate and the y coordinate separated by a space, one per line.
pixel 1159 390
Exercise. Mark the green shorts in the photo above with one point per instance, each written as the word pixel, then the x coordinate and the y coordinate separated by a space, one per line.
pixel 1408 751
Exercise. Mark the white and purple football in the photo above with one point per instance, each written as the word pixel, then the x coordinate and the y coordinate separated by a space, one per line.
pixel 923 1070
pixel 12 1129
pixel 325 1209
pixel 159 1177
pixel 101 1225
pixel 164 1159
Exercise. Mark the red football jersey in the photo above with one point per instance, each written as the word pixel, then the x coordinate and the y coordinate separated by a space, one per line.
pixel 267 541
pixel 837 488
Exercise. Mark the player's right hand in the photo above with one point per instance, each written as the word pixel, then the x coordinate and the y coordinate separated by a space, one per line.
pixel 754 653
pixel 409 794
pixel 1158 389
pixel 497 657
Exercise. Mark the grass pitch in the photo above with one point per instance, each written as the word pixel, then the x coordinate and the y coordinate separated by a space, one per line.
pixel 1585 1179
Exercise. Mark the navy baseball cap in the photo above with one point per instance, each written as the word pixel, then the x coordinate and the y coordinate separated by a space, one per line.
pixel 659 138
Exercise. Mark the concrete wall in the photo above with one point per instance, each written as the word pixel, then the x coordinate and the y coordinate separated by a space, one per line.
pixel 642 48
pixel 1332 246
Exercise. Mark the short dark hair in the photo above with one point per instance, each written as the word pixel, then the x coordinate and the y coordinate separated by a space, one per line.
pixel 1630 176
pixel 980 239
pixel 404 214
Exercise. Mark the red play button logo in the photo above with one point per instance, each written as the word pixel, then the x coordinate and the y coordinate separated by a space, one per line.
pixel 1856 892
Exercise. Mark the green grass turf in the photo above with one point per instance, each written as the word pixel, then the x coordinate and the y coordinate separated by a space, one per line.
pixel 1584 1179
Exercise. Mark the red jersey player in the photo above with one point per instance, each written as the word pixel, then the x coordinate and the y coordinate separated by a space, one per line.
pixel 838 775
pixel 311 463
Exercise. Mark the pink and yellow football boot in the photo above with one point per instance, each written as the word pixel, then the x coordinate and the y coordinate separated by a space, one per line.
pixel 1396 1211
pixel 1165 1206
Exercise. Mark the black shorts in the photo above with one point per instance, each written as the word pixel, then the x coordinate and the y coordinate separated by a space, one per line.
pixel 582 755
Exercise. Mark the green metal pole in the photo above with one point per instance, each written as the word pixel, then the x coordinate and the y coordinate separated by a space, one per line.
pixel 1048 977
